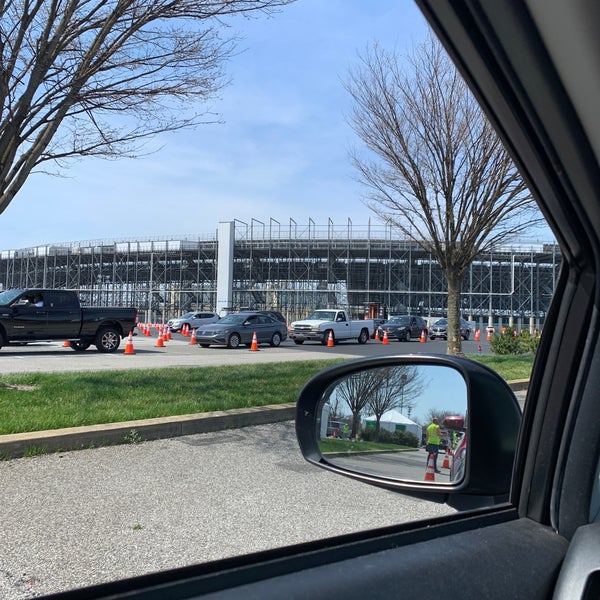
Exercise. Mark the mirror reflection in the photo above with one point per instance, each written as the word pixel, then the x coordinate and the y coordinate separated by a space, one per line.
pixel 405 422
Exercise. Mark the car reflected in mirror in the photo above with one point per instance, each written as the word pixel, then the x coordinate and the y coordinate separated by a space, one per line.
pixel 380 422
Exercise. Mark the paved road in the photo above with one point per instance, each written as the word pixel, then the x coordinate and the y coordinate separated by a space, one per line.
pixel 41 357
pixel 79 518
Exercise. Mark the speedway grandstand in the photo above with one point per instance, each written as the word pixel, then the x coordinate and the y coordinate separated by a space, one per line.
pixel 292 268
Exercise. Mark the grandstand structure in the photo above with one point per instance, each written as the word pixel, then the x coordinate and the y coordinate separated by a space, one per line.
pixel 292 268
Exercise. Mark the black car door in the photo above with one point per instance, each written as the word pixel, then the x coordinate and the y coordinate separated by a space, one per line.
pixel 64 314
pixel 25 320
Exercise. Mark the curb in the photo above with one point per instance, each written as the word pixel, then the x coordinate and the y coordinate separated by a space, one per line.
pixel 16 445
pixel 77 438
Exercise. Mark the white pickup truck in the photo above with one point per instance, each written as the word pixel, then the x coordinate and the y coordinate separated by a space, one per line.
pixel 320 323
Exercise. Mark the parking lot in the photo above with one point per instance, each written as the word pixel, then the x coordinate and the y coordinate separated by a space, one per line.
pixel 178 352
pixel 72 519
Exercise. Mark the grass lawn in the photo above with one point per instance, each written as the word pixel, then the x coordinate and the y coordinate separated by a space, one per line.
pixel 40 401
pixel 329 445
pixel 510 367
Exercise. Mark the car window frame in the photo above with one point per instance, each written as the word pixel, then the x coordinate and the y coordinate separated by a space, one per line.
pixel 553 400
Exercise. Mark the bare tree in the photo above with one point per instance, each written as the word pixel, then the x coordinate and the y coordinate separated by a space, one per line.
pixel 356 390
pixel 395 387
pixel 97 77
pixel 435 168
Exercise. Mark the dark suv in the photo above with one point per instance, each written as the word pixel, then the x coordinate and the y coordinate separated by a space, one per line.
pixel 403 328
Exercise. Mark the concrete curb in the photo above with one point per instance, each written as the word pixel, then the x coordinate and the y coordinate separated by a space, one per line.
pixel 76 438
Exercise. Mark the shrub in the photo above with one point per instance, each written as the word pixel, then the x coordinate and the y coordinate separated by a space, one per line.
pixel 401 438
pixel 507 342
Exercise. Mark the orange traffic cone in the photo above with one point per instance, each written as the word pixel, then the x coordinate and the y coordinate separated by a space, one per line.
pixel 446 463
pixel 66 344
pixel 193 338
pixel 423 338
pixel 477 335
pixel 159 341
pixel 385 339
pixel 430 472
pixel 254 345
pixel 489 336
pixel 377 334
pixel 129 345
pixel 165 335
pixel 147 331
pixel 185 330
pixel 330 342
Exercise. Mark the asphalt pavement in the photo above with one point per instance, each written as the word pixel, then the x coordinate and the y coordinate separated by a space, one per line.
pixel 72 519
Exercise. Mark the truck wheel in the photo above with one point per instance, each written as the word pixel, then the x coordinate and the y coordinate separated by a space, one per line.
pixel 298 342
pixel 107 339
pixel 326 337
pixel 80 346
pixel 234 340
pixel 363 338
pixel 276 339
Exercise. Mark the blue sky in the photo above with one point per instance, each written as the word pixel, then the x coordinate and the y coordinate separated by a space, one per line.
pixel 281 153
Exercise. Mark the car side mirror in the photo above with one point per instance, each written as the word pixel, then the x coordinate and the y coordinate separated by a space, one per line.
pixel 389 402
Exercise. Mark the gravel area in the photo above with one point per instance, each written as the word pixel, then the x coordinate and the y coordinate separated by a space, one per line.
pixel 79 518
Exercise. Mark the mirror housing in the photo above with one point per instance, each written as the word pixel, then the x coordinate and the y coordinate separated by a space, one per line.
pixel 494 419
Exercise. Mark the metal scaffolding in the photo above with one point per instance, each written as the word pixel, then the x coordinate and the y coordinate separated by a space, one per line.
pixel 292 268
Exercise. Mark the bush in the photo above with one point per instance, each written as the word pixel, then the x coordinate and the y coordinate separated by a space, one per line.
pixel 507 342
pixel 401 438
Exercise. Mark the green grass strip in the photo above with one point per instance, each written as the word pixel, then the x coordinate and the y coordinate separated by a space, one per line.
pixel 511 368
pixel 40 401
pixel 60 400
pixel 332 445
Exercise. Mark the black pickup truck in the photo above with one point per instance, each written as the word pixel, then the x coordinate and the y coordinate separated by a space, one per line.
pixel 43 315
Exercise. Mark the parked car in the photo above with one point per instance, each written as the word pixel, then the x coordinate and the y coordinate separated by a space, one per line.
pixel 455 425
pixel 403 328
pixel 440 330
pixel 336 429
pixel 275 314
pixel 34 315
pixel 236 329
pixel 193 319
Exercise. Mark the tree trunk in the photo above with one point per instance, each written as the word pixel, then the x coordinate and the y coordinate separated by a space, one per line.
pixel 377 427
pixel 454 344
pixel 355 424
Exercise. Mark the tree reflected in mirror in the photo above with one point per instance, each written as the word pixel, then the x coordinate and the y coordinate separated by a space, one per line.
pixel 380 421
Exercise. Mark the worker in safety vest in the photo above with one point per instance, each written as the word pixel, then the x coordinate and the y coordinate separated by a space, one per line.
pixel 433 441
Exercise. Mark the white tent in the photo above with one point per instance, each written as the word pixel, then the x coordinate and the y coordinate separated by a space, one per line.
pixel 392 420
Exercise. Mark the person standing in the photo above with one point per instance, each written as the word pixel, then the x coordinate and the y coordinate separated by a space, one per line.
pixel 433 441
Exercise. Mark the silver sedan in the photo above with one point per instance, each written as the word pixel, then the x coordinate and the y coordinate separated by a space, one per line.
pixel 239 328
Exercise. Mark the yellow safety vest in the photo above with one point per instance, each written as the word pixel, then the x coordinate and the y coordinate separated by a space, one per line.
pixel 432 437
